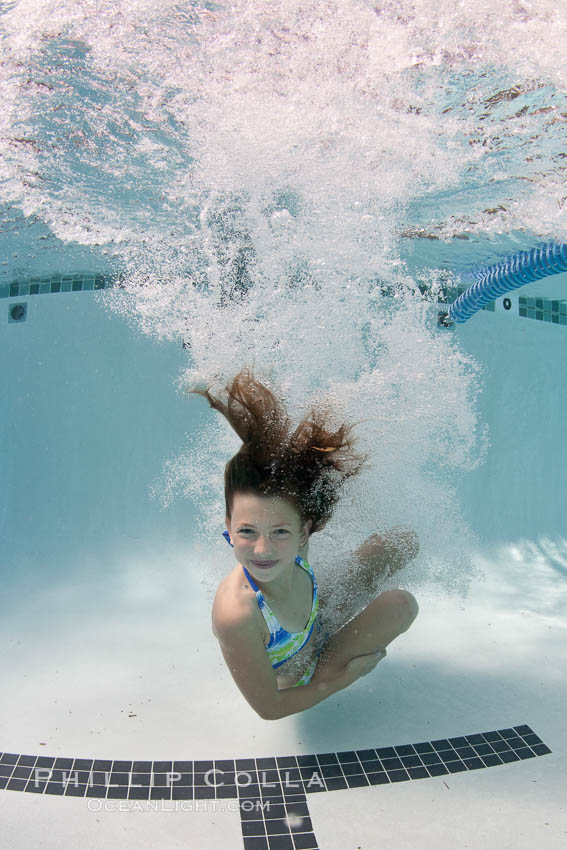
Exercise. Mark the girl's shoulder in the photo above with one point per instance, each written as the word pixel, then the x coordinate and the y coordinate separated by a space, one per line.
pixel 235 602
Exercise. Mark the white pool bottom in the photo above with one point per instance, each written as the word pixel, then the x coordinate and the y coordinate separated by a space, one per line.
pixel 492 661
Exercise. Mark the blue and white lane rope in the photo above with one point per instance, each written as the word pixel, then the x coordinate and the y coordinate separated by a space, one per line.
pixel 513 272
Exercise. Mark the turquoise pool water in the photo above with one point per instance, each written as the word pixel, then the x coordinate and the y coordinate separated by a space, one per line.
pixel 292 186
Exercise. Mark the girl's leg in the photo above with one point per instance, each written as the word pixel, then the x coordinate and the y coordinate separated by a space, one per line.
pixel 381 622
pixel 357 583
pixel 381 555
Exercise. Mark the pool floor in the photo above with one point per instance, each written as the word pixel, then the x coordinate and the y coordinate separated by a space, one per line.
pixel 457 740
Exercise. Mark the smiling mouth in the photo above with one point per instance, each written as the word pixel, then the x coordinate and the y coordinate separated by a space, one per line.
pixel 264 563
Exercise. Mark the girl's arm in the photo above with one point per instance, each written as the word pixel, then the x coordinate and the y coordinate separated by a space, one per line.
pixel 243 649
pixel 292 700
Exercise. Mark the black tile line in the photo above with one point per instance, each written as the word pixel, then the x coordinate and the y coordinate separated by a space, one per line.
pixel 232 778
pixel 88 282
pixel 57 283
pixel 271 792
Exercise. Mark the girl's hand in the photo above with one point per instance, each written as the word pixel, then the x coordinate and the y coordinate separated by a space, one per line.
pixel 362 665
pixel 353 670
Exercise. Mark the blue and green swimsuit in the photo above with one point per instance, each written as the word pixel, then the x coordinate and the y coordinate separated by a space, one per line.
pixel 283 645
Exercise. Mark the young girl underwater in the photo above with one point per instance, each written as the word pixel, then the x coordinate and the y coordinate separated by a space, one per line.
pixel 271 621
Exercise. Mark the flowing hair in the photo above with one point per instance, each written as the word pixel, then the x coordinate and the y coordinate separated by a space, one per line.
pixel 307 466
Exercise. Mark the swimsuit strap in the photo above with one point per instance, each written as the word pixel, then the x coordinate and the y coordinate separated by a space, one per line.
pixel 283 645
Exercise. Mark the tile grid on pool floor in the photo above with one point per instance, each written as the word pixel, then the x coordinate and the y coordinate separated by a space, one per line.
pixel 271 792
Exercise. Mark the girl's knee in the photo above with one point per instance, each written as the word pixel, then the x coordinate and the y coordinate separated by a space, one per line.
pixel 405 605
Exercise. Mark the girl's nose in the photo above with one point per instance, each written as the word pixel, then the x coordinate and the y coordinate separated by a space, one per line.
pixel 262 545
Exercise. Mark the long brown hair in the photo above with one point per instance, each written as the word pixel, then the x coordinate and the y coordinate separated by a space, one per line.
pixel 306 467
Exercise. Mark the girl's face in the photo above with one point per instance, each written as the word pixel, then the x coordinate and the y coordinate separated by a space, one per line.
pixel 266 533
